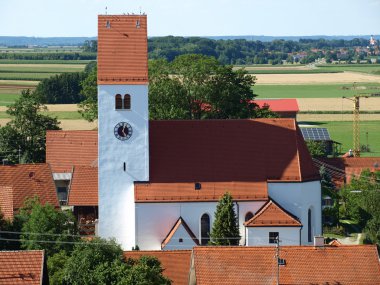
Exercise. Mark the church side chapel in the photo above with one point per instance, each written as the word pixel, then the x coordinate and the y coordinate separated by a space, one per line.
pixel 160 181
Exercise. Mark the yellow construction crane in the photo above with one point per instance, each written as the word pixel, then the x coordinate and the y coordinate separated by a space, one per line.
pixel 356 118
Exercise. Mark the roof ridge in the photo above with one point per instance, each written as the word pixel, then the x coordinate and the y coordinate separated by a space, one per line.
pixel 179 222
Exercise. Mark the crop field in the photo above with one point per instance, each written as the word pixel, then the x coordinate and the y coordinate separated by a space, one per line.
pixel 25 76
pixel 50 61
pixel 364 68
pixel 312 90
pixel 40 68
pixel 342 132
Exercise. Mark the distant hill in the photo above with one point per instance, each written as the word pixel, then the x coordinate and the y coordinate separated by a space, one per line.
pixel 36 41
pixel 78 41
pixel 292 38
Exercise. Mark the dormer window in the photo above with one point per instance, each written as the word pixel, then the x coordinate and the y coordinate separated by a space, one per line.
pixel 108 24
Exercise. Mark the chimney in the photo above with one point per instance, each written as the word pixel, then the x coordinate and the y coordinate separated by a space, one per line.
pixel 319 241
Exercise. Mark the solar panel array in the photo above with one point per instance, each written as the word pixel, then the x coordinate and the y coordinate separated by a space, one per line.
pixel 316 134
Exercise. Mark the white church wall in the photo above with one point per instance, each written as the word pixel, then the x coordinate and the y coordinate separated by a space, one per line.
pixel 116 189
pixel 298 198
pixel 180 240
pixel 259 236
pixel 155 220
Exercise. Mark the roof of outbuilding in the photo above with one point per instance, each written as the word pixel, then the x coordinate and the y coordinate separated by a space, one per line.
pixel 279 105
pixel 84 187
pixel 18 182
pixel 343 264
pixel 122 49
pixel 66 149
pixel 22 267
pixel 228 150
pixel 176 263
pixel 272 215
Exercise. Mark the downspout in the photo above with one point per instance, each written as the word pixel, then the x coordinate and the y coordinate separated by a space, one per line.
pixel 300 234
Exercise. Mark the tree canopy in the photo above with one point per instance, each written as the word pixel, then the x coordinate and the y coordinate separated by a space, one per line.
pixel 225 230
pixel 24 136
pixel 88 108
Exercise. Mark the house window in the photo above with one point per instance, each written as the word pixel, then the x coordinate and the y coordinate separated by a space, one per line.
pixel 127 102
pixel 118 102
pixel 205 229
pixel 273 236
pixel 248 216
pixel 309 231
pixel 62 195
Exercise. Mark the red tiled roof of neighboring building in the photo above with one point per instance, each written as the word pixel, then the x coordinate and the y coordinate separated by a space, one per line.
pixel 210 191
pixel 18 182
pixel 6 202
pixel 65 149
pixel 272 215
pixel 228 150
pixel 84 186
pixel 22 267
pixel 343 264
pixel 176 263
pixel 177 224
pixel 122 49
pixel 279 105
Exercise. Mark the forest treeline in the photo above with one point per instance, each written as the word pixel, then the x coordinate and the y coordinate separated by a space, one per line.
pixel 236 51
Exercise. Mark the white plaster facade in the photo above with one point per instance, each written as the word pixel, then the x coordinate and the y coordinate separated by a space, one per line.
pixel 259 236
pixel 298 198
pixel 155 220
pixel 180 240
pixel 116 188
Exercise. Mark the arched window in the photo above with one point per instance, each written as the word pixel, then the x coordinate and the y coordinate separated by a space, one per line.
pixel 205 229
pixel 127 102
pixel 309 229
pixel 248 216
pixel 118 102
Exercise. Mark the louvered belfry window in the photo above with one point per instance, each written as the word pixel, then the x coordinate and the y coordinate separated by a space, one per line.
pixel 127 102
pixel 118 102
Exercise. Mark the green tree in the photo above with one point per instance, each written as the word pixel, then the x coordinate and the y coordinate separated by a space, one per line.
pixel 88 108
pixel 316 148
pixel 63 88
pixel 225 230
pixel 45 227
pixel 56 265
pixel 25 134
pixel 101 262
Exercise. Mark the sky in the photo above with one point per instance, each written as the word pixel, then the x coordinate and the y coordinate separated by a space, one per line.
pixel 72 18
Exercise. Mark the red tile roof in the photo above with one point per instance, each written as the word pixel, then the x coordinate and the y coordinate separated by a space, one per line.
pixel 176 263
pixel 228 150
pixel 18 182
pixel 122 49
pixel 279 105
pixel 22 267
pixel 210 191
pixel 65 149
pixel 177 224
pixel 357 264
pixel 84 186
pixel 272 215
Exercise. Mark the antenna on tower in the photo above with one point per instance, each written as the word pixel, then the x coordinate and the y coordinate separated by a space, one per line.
pixel 140 10
pixel 106 10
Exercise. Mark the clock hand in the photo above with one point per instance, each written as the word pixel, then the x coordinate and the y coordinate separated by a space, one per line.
pixel 123 130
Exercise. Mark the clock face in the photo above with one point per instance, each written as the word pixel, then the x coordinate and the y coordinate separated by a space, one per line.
pixel 123 131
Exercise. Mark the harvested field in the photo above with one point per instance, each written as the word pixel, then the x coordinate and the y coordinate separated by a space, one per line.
pixel 68 124
pixel 320 78
pixel 335 117
pixel 55 108
pixel 337 104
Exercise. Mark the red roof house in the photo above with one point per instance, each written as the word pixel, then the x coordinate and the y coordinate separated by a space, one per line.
pixel 23 268
pixel 286 108
pixel 18 182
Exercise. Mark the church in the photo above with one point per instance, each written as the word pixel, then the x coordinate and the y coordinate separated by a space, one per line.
pixel 159 181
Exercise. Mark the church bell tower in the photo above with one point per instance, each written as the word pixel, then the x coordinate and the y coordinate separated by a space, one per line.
pixel 123 122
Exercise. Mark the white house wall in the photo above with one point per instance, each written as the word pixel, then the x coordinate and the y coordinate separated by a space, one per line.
pixel 116 188
pixel 259 236
pixel 298 198
pixel 155 220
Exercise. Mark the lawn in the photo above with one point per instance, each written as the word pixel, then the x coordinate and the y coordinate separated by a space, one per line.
pixel 342 132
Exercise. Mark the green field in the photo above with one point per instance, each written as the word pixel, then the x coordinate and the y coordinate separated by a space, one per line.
pixel 307 90
pixel 25 76
pixel 364 68
pixel 342 132
pixel 295 71
pixel 63 115
pixel 6 99
pixel 40 68
pixel 21 61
